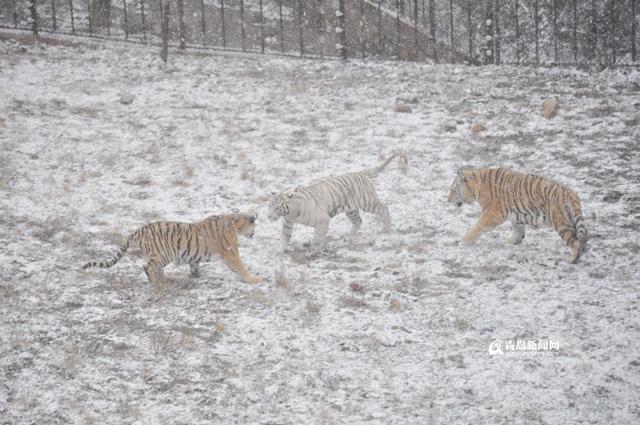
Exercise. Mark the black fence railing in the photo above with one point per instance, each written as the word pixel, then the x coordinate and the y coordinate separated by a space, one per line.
pixel 543 32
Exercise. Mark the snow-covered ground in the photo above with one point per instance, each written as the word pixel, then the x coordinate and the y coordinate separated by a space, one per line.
pixel 210 134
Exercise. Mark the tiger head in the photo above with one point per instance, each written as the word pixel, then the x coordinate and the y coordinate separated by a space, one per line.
pixel 245 224
pixel 461 190
pixel 279 205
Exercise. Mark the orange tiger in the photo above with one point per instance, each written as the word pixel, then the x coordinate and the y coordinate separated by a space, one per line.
pixel 164 242
pixel 522 199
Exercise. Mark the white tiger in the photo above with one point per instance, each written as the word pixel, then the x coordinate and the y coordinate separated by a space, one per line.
pixel 316 204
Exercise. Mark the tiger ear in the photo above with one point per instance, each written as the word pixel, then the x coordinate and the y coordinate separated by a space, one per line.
pixel 463 173
pixel 253 218
pixel 290 195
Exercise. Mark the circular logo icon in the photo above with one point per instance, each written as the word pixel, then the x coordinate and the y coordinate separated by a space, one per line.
pixel 495 347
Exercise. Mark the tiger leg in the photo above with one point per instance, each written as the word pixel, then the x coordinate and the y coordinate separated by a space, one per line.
pixel 154 271
pixel 193 269
pixel 287 229
pixel 379 209
pixel 488 220
pixel 355 219
pixel 320 230
pixel 517 234
pixel 567 235
pixel 232 260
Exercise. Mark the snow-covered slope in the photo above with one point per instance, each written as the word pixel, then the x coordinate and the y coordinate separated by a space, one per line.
pixel 207 134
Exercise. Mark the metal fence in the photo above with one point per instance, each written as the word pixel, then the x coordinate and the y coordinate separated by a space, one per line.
pixel 554 32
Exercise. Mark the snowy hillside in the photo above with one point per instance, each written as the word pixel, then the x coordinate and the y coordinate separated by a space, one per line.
pixel 377 329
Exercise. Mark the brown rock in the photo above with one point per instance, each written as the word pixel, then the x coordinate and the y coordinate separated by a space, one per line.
pixel 477 128
pixel 549 108
pixel 402 107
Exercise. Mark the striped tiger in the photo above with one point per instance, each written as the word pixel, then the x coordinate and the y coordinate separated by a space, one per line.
pixel 164 242
pixel 316 204
pixel 522 199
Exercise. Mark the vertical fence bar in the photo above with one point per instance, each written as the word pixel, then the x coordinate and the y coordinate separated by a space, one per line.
pixel 517 22
pixel 451 24
pixel 380 36
pixel 362 27
pixel 281 27
pixel 594 29
pixel 537 38
pixel 181 28
pixel 415 29
pixel 243 35
pixel 397 50
pixel 633 30
pixel 53 15
pixel 261 28
pixel 203 23
pixel 33 9
pixel 224 32
pixel 144 23
pixel 612 36
pixel 126 23
pixel 470 29
pixel 164 13
pixel 90 17
pixel 15 14
pixel 555 31
pixel 432 25
pixel 497 32
pixel 301 26
pixel 575 32
pixel 73 24
pixel 342 24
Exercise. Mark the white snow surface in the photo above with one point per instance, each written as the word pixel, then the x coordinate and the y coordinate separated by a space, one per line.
pixel 216 133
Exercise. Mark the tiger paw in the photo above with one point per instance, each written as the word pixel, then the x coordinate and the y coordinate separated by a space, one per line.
pixel 468 241
pixel 253 279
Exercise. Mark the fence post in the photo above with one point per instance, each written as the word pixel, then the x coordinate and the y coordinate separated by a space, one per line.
pixel 518 43
pixel 203 23
pixel 380 36
pixel 497 32
pixel 281 27
pixel 341 30
pixel 89 17
pixel 224 33
pixel 181 28
pixel 242 30
pixel 164 12
pixel 432 25
pixel 362 27
pixel 470 29
pixel 301 26
pixel 415 28
pixel 73 26
pixel 397 29
pixel 53 15
pixel 535 21
pixel 15 14
pixel 144 23
pixel 126 23
pixel 34 17
pixel 575 33
pixel 261 28
pixel 594 29
pixel 613 31
pixel 451 24
pixel 633 30
pixel 555 31
pixel 109 19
